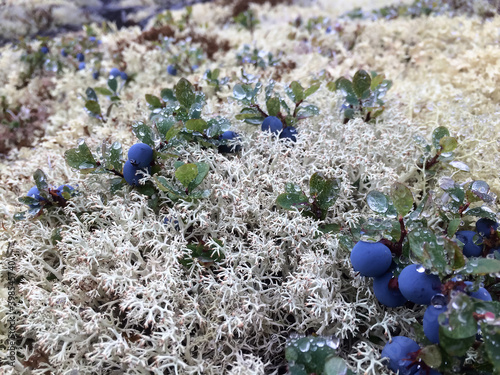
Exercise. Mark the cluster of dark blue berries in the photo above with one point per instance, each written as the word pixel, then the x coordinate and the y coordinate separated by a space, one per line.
pixel 414 284
pixel 275 126
pixel 115 72
pixel 140 158
pixel 35 193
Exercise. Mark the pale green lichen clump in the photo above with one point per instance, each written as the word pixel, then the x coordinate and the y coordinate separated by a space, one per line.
pixel 111 297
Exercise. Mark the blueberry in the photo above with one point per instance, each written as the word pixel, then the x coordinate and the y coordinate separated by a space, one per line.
pixel 60 190
pixel 115 72
pixel 371 258
pixel 485 227
pixel 229 135
pixel 80 57
pixel 417 286
pixel 64 53
pixel 171 70
pixel 399 350
pixel 35 193
pixel 133 174
pixel 92 38
pixel 124 76
pixel 481 293
pixel 194 67
pixel 95 74
pixel 44 50
pixel 81 66
pixel 387 291
pixel 431 324
pixel 272 123
pixel 289 133
pixel 328 29
pixel 140 155
pixel 470 249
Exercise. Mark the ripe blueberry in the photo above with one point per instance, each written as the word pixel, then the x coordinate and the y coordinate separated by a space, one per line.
pixel 115 72
pixel 133 174
pixel 92 39
pixel 417 286
pixel 371 258
pixel 228 135
pixel 35 193
pixel 289 133
pixel 485 227
pixel 81 66
pixel 387 291
pixel 272 123
pixel 95 74
pixel 171 70
pixel 60 190
pixel 44 50
pixel 470 249
pixel 431 324
pixel 140 155
pixel 80 57
pixel 124 76
pixel 398 350
pixel 481 293
pixel 64 53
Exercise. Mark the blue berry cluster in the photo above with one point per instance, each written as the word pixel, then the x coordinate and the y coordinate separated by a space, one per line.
pixel 275 126
pixel 115 72
pixel 63 192
pixel 483 240
pixel 140 158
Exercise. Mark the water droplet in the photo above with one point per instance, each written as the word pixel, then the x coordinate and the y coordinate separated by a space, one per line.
pixel 420 269
pixel 320 342
pixel 333 342
pixel 304 346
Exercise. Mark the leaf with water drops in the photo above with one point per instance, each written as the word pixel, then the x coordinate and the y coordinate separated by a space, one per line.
pixel 289 201
pixel 448 144
pixel 239 92
pixel 453 226
pixel 91 95
pixel 481 190
pixel 482 266
pixel 168 96
pixel 402 198
pixel 431 355
pixel 164 124
pixel 186 173
pixel 426 250
pixel 454 253
pixel 273 106
pixel 197 125
pixel 481 212
pixel 41 182
pixel 184 92
pixel 295 92
pixel 437 134
pixel 361 82
pixel 112 155
pixel 311 90
pixel 310 352
pixel 491 335
pixel 93 107
pixel 459 323
pixel 377 201
pixel 326 191
pixel 144 133
pixel 452 346
pixel 308 111
pixel 459 165
pixel 153 101
pixel 81 158
pixel 202 169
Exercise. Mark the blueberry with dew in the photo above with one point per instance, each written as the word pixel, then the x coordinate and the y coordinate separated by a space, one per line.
pixel 371 258
pixel 399 351
pixel 80 57
pixel 140 155
pixel 418 286
pixel 132 174
pixel 470 248
pixel 115 72
pixel 289 133
pixel 229 135
pixel 171 70
pixel 485 227
pixel 272 123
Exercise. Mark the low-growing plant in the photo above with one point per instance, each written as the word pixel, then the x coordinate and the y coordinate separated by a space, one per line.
pixel 92 105
pixel 363 95
pixel 247 20
pixel 182 56
pixel 257 58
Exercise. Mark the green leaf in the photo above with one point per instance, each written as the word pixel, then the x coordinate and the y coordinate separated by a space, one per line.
pixel 93 107
pixel 310 352
pixel 454 347
pixel 295 92
pixel 335 366
pixel 437 134
pixel 376 80
pixel 308 111
pixel 453 226
pixel 197 125
pixel 431 355
pixel 81 158
pixel 186 173
pixel 291 187
pixel 328 194
pixel 91 95
pixel 184 92
pixel 448 144
pixel 115 156
pixel 168 96
pixel 454 253
pixel 164 124
pixel 402 198
pixel 311 90
pixel 103 91
pixel 491 334
pixel 482 266
pixel 329 228
pixel 203 169
pixel 361 82
pixel 331 86
pixel 153 101
pixel 289 201
pixel 173 132
pixel 377 201
pixel 425 249
pixel 459 322
pixel 41 182
pixel 345 86
pixel 112 84
pixel 480 212
pixel 273 106
pixel 144 133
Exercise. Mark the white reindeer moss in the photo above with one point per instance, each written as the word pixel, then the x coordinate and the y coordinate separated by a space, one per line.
pixel 111 297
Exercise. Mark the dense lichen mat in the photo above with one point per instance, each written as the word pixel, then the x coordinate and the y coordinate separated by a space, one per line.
pixel 274 144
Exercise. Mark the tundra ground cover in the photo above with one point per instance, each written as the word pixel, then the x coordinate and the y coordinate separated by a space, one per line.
pixel 106 282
